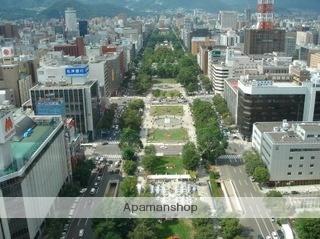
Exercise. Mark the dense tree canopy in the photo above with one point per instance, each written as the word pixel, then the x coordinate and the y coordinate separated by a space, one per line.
pixel 190 156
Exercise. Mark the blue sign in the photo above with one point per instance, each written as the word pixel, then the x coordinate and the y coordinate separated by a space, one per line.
pixel 77 71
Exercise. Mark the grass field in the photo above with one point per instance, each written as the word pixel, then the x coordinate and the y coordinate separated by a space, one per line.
pixel 165 81
pixel 181 228
pixel 170 135
pixel 166 93
pixel 166 110
pixel 169 165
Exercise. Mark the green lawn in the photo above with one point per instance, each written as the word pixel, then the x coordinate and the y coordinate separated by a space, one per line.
pixel 181 228
pixel 169 165
pixel 215 186
pixel 168 135
pixel 166 110
pixel 165 81
pixel 166 93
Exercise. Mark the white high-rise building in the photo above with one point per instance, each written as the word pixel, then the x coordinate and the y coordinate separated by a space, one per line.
pixel 228 19
pixel 71 20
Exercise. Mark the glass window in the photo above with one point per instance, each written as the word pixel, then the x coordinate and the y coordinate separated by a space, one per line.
pixel 300 173
pixel 290 166
pixel 289 173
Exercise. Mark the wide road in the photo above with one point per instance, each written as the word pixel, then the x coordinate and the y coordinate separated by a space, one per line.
pixel 232 167
pixel 85 223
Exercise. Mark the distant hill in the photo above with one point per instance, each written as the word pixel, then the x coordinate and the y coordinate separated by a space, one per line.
pixel 83 10
pixel 210 5
pixel 11 9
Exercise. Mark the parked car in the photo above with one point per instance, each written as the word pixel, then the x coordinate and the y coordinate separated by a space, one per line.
pixel 92 191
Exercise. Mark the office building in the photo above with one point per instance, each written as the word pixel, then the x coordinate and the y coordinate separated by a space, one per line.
pixel 264 100
pixel 9 31
pixel 261 41
pixel 33 163
pixel 304 38
pixel 229 39
pixel 315 60
pixel 73 48
pixel 197 42
pixel 290 43
pixel 228 20
pixel 71 20
pixel 290 150
pixel 83 28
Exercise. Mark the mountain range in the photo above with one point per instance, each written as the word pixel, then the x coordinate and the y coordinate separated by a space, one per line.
pixel 11 9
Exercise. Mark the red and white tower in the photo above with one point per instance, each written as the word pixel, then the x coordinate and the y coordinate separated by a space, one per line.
pixel 265 14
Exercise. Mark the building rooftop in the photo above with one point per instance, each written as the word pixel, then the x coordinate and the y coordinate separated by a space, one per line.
pixel 31 135
pixel 288 132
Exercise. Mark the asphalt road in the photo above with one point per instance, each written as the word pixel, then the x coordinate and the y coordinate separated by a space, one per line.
pixel 233 168
pixel 85 223
pixel 169 150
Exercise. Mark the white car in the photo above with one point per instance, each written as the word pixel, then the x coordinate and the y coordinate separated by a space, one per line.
pixel 83 190
pixel 275 235
pixel 81 232
pixel 268 237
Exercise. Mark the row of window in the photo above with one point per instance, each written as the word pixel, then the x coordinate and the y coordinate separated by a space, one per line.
pixel 301 157
pixel 300 165
pixel 299 173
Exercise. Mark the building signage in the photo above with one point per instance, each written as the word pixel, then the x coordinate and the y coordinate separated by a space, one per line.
pixel 216 53
pixel 7 129
pixel 7 52
pixel 77 71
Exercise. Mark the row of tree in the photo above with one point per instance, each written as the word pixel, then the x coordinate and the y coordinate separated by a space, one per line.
pixel 221 107
pixel 211 143
pixel 255 167
pixel 105 122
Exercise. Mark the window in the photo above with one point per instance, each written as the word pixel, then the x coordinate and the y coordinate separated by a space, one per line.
pixel 311 165
pixel 301 166
pixel 300 173
pixel 301 158
pixel 290 158
pixel 313 157
pixel 290 166
pixel 311 173
pixel 289 173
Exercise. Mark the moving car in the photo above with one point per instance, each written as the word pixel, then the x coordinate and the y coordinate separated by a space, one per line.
pixel 81 232
pixel 92 191
pixel 275 235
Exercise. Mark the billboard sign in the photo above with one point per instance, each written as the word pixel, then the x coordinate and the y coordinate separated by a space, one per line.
pixel 7 52
pixel 7 129
pixel 216 53
pixel 77 71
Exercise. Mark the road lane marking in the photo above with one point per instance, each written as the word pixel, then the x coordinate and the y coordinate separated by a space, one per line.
pixel 86 222
pixel 240 170
pixel 240 182
pixel 79 222
pixel 246 182
pixel 257 223
pixel 234 170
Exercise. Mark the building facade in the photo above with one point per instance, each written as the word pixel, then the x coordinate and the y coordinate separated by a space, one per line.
pixel 290 150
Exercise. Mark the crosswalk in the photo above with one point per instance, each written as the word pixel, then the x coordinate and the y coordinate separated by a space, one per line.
pixel 113 142
pixel 233 158
pixel 113 156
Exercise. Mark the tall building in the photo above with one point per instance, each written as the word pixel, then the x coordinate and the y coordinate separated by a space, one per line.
pixel 229 39
pixel 9 31
pixel 33 163
pixel 228 19
pixel 261 41
pixel 304 38
pixel 83 28
pixel 261 100
pixel 71 20
pixel 290 150
pixel 290 43
pixel 264 39
pixel 197 42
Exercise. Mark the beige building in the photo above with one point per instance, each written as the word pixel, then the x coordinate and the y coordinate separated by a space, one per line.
pixel 197 42
pixel 304 38
pixel 315 60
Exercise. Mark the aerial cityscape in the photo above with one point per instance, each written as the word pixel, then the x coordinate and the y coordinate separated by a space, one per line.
pixel 158 119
